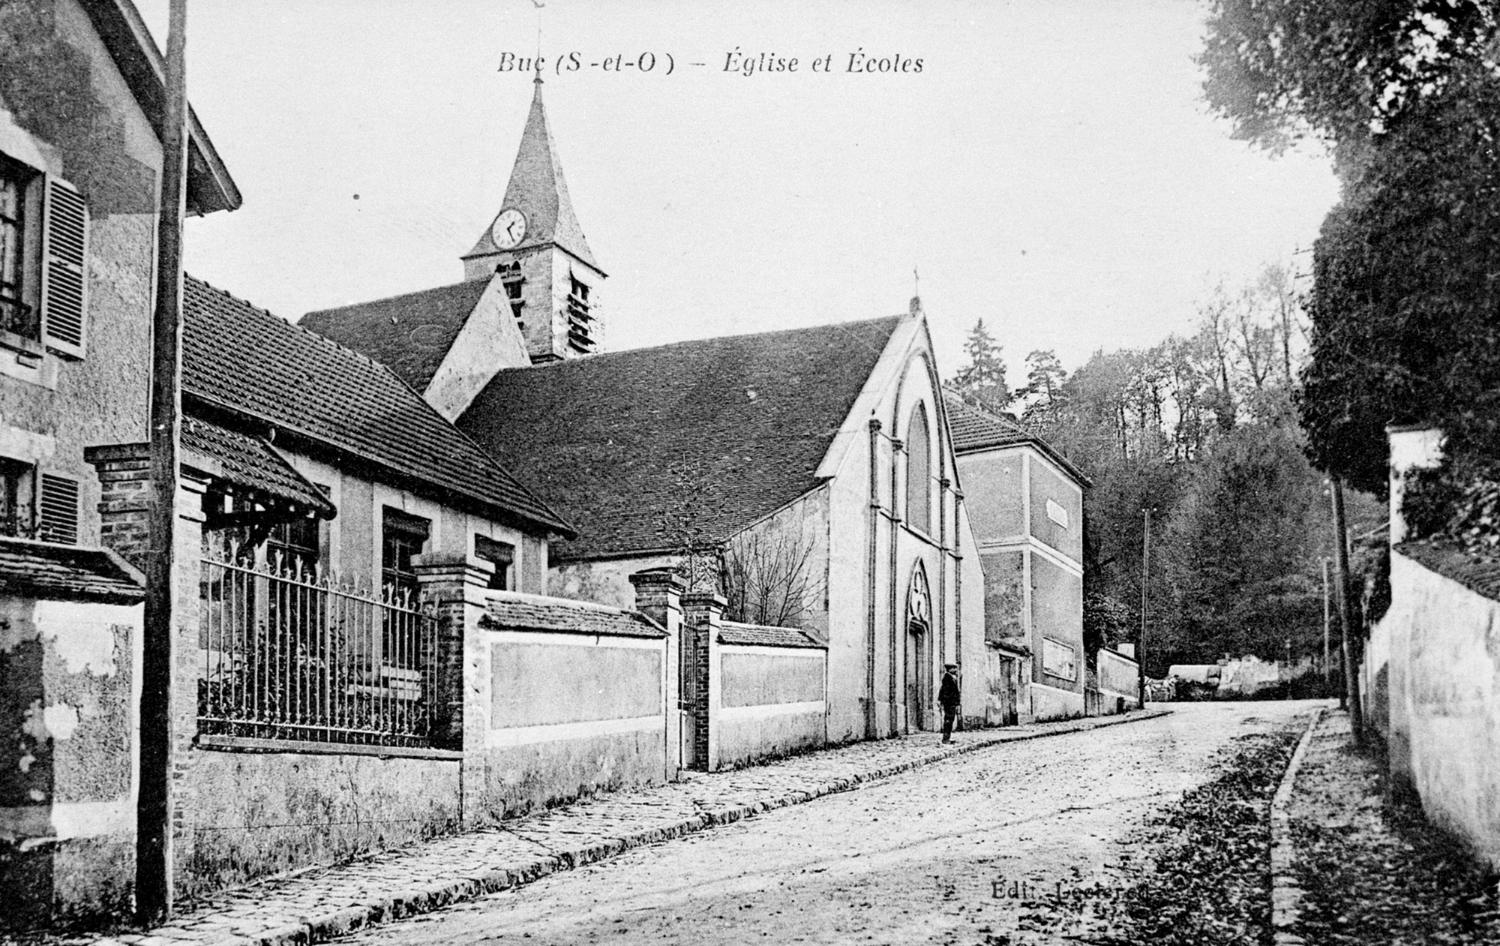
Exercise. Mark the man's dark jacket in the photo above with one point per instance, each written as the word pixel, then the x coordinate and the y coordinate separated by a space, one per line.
pixel 948 692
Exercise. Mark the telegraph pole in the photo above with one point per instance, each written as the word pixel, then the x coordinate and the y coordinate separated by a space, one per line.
pixel 153 870
pixel 1341 595
pixel 1327 667
pixel 1140 647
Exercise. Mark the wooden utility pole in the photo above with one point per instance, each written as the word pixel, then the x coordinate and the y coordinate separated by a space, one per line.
pixel 1327 668
pixel 1140 647
pixel 153 870
pixel 1341 595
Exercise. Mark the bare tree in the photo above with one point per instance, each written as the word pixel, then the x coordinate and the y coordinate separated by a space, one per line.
pixel 769 577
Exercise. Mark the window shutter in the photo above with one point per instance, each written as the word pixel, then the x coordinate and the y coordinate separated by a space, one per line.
pixel 64 299
pixel 57 510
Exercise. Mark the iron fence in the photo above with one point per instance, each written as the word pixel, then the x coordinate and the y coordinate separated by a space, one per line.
pixel 290 652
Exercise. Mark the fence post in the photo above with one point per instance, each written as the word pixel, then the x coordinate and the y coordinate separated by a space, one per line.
pixel 455 584
pixel 703 612
pixel 658 595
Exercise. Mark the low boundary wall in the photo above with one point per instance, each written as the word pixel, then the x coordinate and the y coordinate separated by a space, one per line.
pixel 773 697
pixel 1119 683
pixel 1444 689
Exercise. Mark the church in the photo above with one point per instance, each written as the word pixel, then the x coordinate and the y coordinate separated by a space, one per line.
pixel 807 475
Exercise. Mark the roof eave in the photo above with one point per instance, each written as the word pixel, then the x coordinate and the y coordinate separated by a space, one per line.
pixel 126 36
pixel 396 476
pixel 1041 446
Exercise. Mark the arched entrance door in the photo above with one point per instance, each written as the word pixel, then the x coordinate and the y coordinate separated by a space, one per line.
pixel 918 651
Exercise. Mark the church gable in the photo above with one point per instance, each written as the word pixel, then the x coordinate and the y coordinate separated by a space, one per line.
pixel 411 334
pixel 490 340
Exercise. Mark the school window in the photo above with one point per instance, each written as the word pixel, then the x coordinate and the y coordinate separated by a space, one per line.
pixel 294 545
pixel 502 555
pixel 402 538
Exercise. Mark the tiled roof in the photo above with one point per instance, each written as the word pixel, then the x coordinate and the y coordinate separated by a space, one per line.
pixel 656 448
pixel 762 635
pixel 246 361
pixel 250 463
pixel 70 572
pixel 1480 574
pixel 512 610
pixel 409 334
pixel 974 428
pixel 538 190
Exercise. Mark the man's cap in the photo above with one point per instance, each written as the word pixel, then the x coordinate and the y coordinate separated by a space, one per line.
pixel 950 666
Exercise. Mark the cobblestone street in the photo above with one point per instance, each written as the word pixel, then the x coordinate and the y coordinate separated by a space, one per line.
pixel 948 853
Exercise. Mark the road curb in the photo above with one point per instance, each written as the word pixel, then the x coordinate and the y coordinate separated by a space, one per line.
pixel 1286 889
pixel 346 918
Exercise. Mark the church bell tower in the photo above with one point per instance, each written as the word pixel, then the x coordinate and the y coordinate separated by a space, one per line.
pixel 537 249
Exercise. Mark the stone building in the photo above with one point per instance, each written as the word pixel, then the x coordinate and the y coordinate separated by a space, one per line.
pixel 81 95
pixel 820 455
pixel 812 464
pixel 1026 503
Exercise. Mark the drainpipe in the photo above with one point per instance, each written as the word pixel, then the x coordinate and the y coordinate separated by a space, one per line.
pixel 942 634
pixel 958 594
pixel 870 584
pixel 897 448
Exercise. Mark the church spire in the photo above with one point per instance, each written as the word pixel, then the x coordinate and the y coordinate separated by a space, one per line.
pixel 538 191
pixel 536 249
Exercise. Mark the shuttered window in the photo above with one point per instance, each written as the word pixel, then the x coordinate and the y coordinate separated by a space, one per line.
pixel 57 510
pixel 16 316
pixel 64 297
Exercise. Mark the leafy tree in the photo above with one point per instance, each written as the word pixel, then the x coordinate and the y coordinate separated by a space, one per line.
pixel 1106 622
pixel 1404 303
pixel 982 380
pixel 1242 558
pixel 1341 72
pixel 1044 376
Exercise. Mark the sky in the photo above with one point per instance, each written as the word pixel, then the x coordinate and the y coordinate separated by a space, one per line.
pixel 1050 169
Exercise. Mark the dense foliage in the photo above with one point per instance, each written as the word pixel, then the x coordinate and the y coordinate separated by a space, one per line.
pixel 1201 430
pixel 1403 302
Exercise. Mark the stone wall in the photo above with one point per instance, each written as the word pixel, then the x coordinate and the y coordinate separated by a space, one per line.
pixel 1444 699
pixel 771 701
pixel 571 715
pixel 67 760
pixel 258 813
pixel 1119 682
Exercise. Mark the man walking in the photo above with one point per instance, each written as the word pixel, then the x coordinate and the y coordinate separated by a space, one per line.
pixel 948 698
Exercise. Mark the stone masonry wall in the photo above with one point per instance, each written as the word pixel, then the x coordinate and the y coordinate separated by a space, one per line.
pixel 1445 700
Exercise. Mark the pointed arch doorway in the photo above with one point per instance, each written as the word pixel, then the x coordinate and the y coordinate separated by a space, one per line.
pixel 919 648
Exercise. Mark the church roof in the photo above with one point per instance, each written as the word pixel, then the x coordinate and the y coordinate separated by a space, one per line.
pixel 243 362
pixel 654 449
pixel 537 189
pixel 974 429
pixel 409 333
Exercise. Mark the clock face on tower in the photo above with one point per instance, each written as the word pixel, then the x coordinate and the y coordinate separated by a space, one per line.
pixel 509 228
